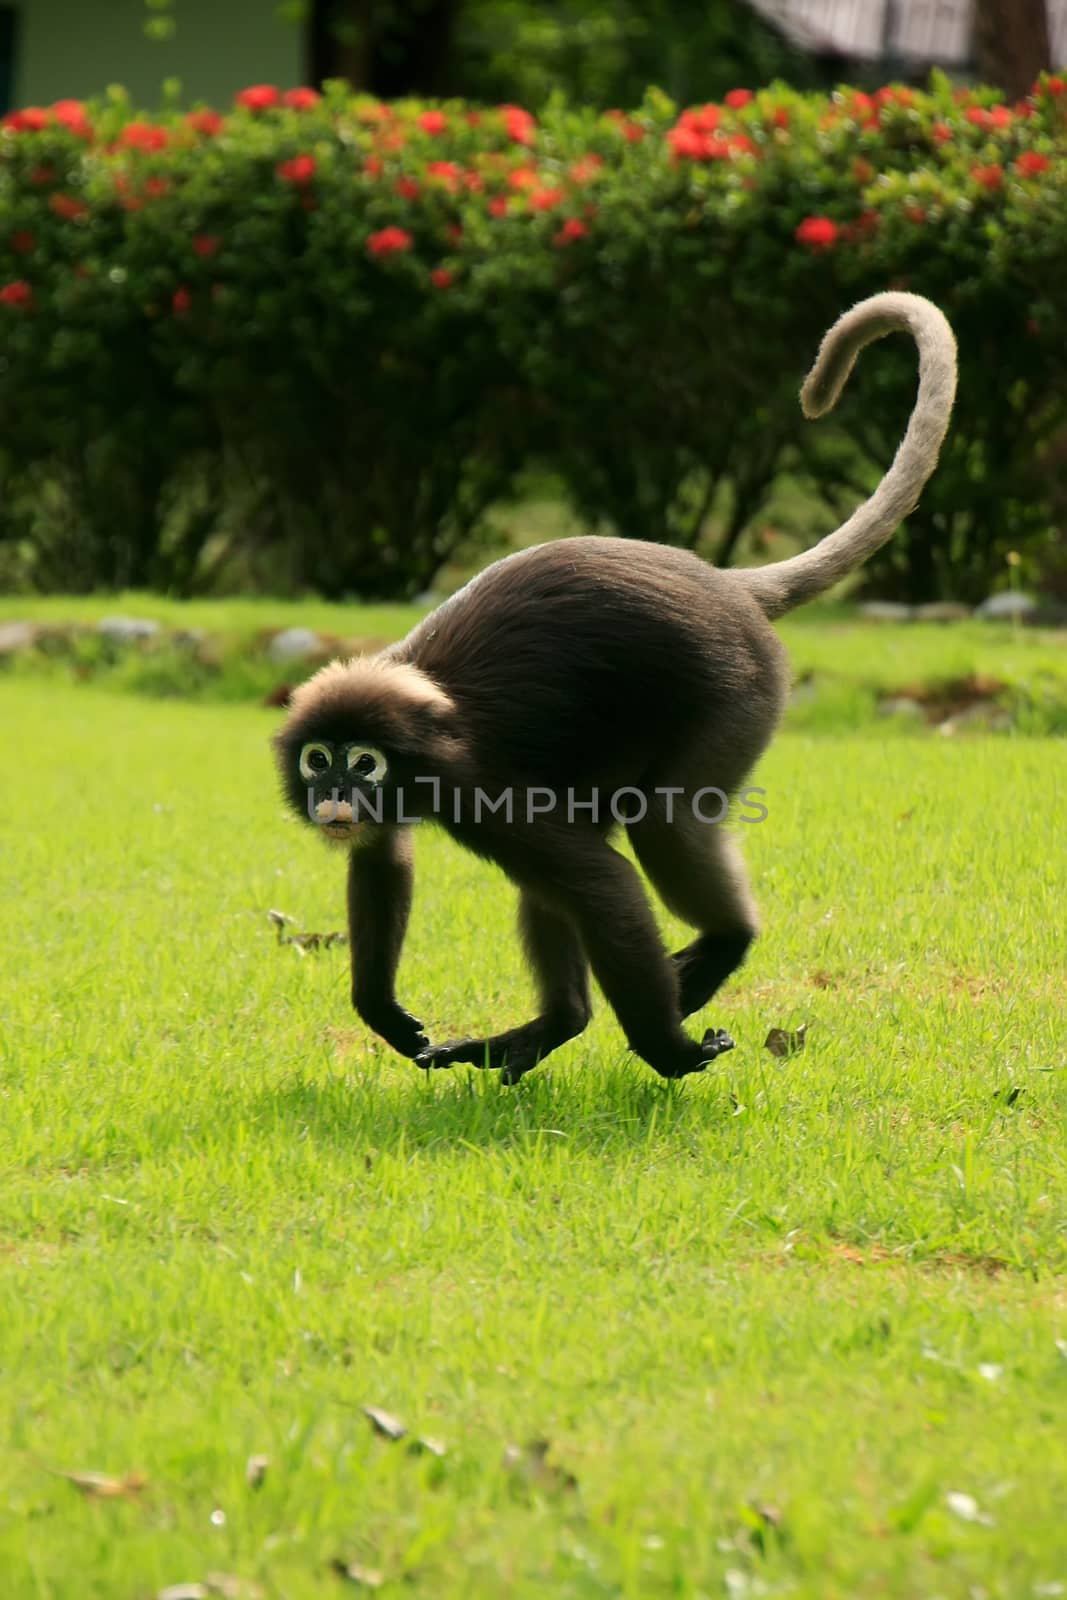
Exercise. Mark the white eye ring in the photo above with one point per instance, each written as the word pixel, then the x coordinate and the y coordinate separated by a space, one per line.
pixel 360 752
pixel 307 771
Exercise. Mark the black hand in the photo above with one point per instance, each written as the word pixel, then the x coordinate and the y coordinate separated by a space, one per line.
pixel 396 1026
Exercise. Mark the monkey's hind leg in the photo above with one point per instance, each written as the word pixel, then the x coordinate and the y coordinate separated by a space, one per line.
pixel 697 870
pixel 560 969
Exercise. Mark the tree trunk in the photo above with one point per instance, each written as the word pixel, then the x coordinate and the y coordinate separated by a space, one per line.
pixel 1011 43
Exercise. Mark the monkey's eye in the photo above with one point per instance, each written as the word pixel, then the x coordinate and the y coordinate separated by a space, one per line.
pixel 366 762
pixel 315 759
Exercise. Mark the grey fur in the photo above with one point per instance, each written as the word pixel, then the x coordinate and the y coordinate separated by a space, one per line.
pixel 786 584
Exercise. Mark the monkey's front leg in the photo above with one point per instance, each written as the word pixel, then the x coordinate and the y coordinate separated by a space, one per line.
pixel 380 880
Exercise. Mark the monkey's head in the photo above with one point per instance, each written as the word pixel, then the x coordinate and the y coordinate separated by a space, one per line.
pixel 358 736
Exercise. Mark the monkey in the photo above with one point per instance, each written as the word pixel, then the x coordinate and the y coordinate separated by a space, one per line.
pixel 577 669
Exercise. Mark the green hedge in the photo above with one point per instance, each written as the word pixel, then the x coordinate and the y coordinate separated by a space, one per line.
pixel 320 335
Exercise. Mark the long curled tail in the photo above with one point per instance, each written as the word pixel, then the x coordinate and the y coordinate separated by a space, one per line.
pixel 785 584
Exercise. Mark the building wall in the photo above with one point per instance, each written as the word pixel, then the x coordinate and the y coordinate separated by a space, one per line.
pixel 76 48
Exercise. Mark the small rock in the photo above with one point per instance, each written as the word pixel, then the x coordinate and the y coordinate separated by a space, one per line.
pixel 900 705
pixel 16 636
pixel 295 644
pixel 942 611
pixel 126 629
pixel 886 611
pixel 985 714
pixel 1012 603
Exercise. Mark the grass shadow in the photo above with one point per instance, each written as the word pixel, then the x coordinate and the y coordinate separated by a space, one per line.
pixel 442 1112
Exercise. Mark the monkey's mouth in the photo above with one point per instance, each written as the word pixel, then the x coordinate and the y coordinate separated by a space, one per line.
pixel 340 829
pixel 334 819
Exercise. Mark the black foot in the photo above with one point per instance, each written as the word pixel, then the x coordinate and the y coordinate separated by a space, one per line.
pixel 471 1052
pixel 515 1056
pixel 714 1043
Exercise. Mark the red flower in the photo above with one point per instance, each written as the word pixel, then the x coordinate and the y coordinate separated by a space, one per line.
pixel 688 141
pixel 181 302
pixel 31 119
pixel 454 232
pixel 389 241
pixel 894 96
pixel 22 242
pixel 545 199
pixel 739 144
pixel 206 244
pixel 572 229
pixel 1001 117
pixel 989 177
pixel 42 175
pixel 155 188
pixel 260 97
pixel 519 125
pixel 208 123
pixel 863 106
pixel 498 206
pixel 70 114
pixel 442 278
pixel 432 122
pixel 941 132
pixel 523 178
pixel 780 117
pixel 584 170
pixel 406 188
pixel 447 171
pixel 299 171
pixel 66 206
pixel 301 99
pixel 915 214
pixel 143 136
pixel 631 131
pixel 1031 164
pixel 818 232
pixel 737 98
pixel 862 170
pixel 373 165
pixel 705 118
pixel 474 181
pixel 18 293
pixel 1052 86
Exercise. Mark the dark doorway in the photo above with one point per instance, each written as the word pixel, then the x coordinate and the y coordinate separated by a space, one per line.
pixel 8 40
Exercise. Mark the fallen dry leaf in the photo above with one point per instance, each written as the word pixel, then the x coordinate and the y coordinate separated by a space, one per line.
pixel 185 1591
pixel 98 1486
pixel 368 1577
pixel 385 1423
pixel 781 1042
pixel 256 1470
pixel 966 1507
pixel 424 1445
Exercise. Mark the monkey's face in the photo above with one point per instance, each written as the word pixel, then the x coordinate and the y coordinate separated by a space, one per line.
pixel 340 787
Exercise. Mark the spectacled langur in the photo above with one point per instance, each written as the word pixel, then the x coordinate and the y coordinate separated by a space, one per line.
pixel 589 665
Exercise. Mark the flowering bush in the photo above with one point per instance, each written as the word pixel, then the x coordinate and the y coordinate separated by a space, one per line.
pixel 334 328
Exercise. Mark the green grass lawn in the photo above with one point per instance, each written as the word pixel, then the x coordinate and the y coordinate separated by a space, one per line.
pixel 793 1327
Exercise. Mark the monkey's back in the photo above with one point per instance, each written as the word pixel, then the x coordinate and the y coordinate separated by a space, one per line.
pixel 588 657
